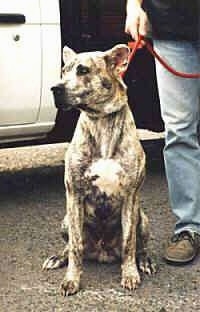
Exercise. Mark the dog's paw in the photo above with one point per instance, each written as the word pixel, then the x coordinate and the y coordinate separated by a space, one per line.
pixel 131 282
pixel 146 265
pixel 69 287
pixel 54 262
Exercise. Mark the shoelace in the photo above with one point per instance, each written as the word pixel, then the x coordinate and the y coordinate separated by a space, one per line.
pixel 184 236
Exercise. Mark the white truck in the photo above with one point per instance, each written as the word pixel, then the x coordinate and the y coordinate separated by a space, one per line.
pixel 30 63
pixel 32 33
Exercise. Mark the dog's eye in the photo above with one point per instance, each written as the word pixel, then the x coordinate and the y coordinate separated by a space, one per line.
pixel 82 70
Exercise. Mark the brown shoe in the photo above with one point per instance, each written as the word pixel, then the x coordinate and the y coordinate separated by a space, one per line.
pixel 182 248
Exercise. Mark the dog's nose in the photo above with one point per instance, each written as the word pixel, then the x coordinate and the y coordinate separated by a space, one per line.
pixel 58 89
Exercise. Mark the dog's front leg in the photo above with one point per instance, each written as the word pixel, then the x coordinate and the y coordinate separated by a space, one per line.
pixel 75 211
pixel 130 275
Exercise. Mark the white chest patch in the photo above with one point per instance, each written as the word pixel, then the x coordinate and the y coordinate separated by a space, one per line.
pixel 109 176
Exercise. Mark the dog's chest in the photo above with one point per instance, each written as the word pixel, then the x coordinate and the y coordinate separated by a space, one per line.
pixel 104 189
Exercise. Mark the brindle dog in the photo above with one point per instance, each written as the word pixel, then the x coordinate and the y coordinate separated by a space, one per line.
pixel 104 169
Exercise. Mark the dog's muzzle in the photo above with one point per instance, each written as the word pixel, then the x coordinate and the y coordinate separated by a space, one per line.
pixel 60 97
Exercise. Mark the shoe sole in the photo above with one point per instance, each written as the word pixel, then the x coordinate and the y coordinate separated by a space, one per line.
pixel 179 262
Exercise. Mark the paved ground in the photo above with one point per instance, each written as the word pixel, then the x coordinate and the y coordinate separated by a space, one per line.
pixel 32 207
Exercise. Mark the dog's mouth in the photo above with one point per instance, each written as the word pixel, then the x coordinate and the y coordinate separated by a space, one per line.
pixel 60 104
pixel 63 101
pixel 86 108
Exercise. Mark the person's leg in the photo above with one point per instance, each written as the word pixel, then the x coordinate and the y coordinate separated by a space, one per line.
pixel 180 107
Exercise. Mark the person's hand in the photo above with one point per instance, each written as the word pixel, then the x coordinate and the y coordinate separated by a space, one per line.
pixel 137 22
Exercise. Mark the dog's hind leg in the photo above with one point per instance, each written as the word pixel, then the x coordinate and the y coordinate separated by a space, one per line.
pixel 60 260
pixel 144 262
pixel 56 261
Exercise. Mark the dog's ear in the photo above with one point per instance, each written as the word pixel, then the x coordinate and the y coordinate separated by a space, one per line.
pixel 117 58
pixel 68 54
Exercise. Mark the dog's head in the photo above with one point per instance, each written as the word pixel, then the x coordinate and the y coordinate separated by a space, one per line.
pixel 90 81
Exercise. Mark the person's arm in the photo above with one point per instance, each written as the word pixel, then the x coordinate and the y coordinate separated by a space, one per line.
pixel 136 19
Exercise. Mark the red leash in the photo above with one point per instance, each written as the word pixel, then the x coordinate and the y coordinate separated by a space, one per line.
pixel 136 45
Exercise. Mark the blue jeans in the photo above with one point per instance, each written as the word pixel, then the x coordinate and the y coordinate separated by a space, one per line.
pixel 180 108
